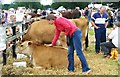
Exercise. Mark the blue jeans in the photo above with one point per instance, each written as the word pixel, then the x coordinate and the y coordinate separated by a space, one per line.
pixel 75 44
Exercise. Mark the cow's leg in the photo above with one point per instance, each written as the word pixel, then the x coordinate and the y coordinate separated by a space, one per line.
pixel 47 65
pixel 35 65
pixel 86 42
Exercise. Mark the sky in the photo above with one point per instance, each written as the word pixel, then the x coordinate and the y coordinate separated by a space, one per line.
pixel 6 1
pixel 44 2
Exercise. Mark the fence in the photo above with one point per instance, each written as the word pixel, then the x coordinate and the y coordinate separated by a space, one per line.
pixel 4 39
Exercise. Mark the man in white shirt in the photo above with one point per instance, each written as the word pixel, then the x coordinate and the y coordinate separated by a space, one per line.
pixel 107 46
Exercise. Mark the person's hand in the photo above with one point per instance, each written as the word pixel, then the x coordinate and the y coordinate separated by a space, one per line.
pixel 97 27
pixel 50 45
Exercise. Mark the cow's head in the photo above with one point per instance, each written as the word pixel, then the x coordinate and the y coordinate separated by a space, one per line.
pixel 24 47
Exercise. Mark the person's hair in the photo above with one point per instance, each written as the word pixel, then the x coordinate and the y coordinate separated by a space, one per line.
pixel 102 7
pixel 50 17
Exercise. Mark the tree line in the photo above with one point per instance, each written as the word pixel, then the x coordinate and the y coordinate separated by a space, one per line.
pixel 67 5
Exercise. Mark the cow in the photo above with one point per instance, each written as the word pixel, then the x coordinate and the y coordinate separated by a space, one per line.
pixel 47 57
pixel 41 32
pixel 67 14
pixel 73 14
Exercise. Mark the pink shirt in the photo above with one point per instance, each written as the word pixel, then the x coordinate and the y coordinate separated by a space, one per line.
pixel 63 24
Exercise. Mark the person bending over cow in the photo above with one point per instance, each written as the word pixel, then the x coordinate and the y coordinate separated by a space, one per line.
pixel 74 36
pixel 107 46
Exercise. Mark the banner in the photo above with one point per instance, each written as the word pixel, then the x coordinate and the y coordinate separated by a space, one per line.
pixel 2 38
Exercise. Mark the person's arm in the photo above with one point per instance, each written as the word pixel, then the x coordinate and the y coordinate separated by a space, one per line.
pixel 93 21
pixel 93 24
pixel 106 24
pixel 57 34
pixel 114 26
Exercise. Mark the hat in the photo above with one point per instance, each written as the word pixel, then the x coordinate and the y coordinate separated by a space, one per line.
pixel 117 24
pixel 77 8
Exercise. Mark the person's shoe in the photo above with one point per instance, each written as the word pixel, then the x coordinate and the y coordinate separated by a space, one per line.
pixel 86 72
pixel 70 71
pixel 105 56
pixel 97 52
pixel 108 56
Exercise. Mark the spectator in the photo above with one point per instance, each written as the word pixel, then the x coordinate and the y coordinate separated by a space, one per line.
pixel 44 13
pixel 86 11
pixel 89 14
pixel 110 17
pixel 52 12
pixel 99 22
pixel 107 46
pixel 118 16
pixel 3 17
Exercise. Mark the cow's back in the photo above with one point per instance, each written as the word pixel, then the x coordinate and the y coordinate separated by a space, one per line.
pixel 40 31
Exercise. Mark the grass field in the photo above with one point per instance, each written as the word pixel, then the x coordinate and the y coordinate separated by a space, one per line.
pixel 98 65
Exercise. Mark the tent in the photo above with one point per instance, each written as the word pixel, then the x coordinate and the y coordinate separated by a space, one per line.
pixel 61 8
pixel 95 5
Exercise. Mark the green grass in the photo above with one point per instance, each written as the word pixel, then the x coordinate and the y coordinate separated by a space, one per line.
pixel 100 65
pixel 91 32
pixel 119 70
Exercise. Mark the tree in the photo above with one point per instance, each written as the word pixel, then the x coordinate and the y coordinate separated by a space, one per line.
pixel 47 6
pixel 115 4
pixel 34 5
pixel 5 6
pixel 69 5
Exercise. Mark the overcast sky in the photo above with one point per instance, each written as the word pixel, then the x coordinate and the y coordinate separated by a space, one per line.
pixel 44 2
pixel 6 1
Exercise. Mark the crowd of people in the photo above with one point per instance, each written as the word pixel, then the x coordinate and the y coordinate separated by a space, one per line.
pixel 21 13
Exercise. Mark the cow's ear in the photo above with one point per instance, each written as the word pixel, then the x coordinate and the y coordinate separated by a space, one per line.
pixel 29 43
